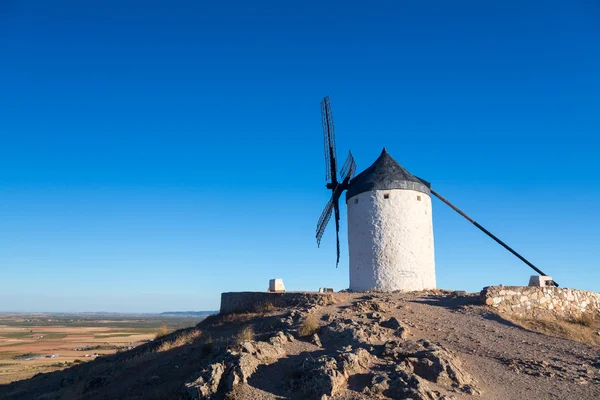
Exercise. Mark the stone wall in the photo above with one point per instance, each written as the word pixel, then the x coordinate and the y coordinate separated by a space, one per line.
pixel 253 301
pixel 533 301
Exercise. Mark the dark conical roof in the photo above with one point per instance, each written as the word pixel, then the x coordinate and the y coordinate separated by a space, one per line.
pixel 385 173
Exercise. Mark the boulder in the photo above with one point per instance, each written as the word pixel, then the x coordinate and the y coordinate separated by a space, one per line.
pixel 368 306
pixel 289 336
pixel 399 327
pixel 327 375
pixel 431 362
pixel 391 323
pixel 208 383
pixel 320 377
pixel 352 362
pixel 234 368
pixel 348 332
pixel 279 339
pixel 400 384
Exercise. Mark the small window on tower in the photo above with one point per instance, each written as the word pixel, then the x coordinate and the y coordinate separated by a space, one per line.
pixel 386 196
pixel 419 198
pixel 355 201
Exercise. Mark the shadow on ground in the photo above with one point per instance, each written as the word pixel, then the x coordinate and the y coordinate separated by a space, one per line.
pixel 453 303
pixel 282 378
pixel 463 303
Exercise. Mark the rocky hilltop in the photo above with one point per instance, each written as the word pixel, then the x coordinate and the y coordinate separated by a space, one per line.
pixel 429 345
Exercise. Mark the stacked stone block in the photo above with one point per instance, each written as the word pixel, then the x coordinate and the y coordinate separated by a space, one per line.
pixel 533 302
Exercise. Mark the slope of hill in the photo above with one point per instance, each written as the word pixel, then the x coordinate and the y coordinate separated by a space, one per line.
pixel 188 313
pixel 351 346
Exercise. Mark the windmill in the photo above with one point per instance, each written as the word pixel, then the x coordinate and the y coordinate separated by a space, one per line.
pixel 332 182
pixel 390 228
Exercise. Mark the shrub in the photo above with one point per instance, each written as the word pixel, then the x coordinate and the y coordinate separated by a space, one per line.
pixel 309 326
pixel 244 334
pixel 182 339
pixel 162 331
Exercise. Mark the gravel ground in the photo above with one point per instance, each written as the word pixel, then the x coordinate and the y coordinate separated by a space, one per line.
pixel 509 362
pixel 504 360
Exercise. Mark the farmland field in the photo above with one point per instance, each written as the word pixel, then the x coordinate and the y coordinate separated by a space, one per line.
pixel 34 343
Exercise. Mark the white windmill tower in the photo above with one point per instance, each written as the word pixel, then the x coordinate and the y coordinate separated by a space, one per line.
pixel 390 228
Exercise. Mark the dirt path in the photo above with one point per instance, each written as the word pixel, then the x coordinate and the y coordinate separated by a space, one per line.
pixel 508 361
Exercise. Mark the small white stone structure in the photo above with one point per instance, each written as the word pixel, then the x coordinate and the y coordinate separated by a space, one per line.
pixel 276 285
pixel 390 229
pixel 326 290
pixel 540 280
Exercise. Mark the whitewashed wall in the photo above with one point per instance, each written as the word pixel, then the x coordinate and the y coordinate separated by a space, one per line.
pixel 391 241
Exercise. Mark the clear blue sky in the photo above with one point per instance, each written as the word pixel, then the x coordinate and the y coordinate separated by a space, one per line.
pixel 156 154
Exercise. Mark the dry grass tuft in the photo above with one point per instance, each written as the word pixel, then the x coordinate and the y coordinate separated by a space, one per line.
pixel 309 326
pixel 582 329
pixel 244 334
pixel 236 317
pixel 233 395
pixel 140 359
pixel 585 319
pixel 162 331
pixel 265 307
pixel 182 339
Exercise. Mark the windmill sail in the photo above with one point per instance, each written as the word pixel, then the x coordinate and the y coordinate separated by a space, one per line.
pixel 331 177
pixel 324 220
pixel 348 168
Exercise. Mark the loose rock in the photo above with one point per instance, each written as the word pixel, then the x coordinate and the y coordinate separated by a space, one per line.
pixel 314 339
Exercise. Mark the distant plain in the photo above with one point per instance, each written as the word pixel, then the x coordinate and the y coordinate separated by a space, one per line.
pixel 44 342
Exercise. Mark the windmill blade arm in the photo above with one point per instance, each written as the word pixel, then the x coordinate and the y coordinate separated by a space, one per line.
pixel 337 230
pixel 329 139
pixel 323 220
pixel 490 234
